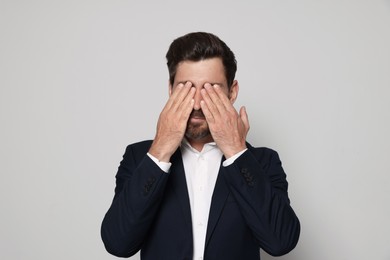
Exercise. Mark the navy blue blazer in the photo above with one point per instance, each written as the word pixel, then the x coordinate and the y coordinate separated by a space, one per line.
pixel 250 209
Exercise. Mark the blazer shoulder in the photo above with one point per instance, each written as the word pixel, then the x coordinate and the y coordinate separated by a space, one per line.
pixel 262 151
pixel 140 145
pixel 137 150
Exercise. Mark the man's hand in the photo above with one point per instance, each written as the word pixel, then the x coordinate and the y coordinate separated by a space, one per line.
pixel 172 122
pixel 228 128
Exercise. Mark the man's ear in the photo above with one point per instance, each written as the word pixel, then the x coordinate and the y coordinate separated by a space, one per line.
pixel 233 91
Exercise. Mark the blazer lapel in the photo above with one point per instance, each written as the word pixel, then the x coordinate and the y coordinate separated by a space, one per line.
pixel 220 194
pixel 179 185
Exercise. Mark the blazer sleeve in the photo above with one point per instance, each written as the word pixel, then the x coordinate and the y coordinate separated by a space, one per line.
pixel 140 184
pixel 258 183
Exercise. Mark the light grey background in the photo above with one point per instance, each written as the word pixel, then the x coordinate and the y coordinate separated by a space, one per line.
pixel 79 80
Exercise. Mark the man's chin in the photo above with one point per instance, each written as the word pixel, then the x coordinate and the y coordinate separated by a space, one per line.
pixel 197 134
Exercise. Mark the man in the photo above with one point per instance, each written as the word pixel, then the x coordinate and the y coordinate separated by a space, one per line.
pixel 199 190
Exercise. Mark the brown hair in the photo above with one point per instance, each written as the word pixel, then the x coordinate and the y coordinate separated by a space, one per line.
pixel 199 46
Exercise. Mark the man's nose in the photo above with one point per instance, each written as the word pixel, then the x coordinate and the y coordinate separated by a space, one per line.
pixel 197 99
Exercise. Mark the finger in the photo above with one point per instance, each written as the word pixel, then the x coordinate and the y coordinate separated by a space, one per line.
pixel 224 99
pixel 187 105
pixel 206 112
pixel 244 117
pixel 179 95
pixel 174 93
pixel 211 106
pixel 214 96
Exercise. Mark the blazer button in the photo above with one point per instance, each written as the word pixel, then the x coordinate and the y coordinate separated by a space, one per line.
pixel 244 170
pixel 151 179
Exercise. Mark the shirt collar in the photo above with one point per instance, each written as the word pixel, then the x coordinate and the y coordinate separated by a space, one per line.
pixel 206 148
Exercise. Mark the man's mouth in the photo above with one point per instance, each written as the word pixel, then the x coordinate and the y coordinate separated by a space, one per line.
pixel 197 115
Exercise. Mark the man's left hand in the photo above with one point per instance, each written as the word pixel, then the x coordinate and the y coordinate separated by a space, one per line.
pixel 227 127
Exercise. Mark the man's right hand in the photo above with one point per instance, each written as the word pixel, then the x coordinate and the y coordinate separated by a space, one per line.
pixel 172 122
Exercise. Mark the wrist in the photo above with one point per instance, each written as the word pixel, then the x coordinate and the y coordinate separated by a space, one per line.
pixel 234 151
pixel 161 154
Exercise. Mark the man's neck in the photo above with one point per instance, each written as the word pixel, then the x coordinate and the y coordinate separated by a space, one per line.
pixel 198 144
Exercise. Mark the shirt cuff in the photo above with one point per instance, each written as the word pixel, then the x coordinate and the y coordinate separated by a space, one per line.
pixel 165 166
pixel 231 160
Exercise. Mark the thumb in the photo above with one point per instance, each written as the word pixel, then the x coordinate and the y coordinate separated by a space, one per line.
pixel 244 117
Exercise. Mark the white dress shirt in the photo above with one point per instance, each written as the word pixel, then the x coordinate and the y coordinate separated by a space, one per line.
pixel 201 172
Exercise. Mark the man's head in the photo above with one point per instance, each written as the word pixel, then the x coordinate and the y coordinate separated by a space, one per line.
pixel 200 46
pixel 199 59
